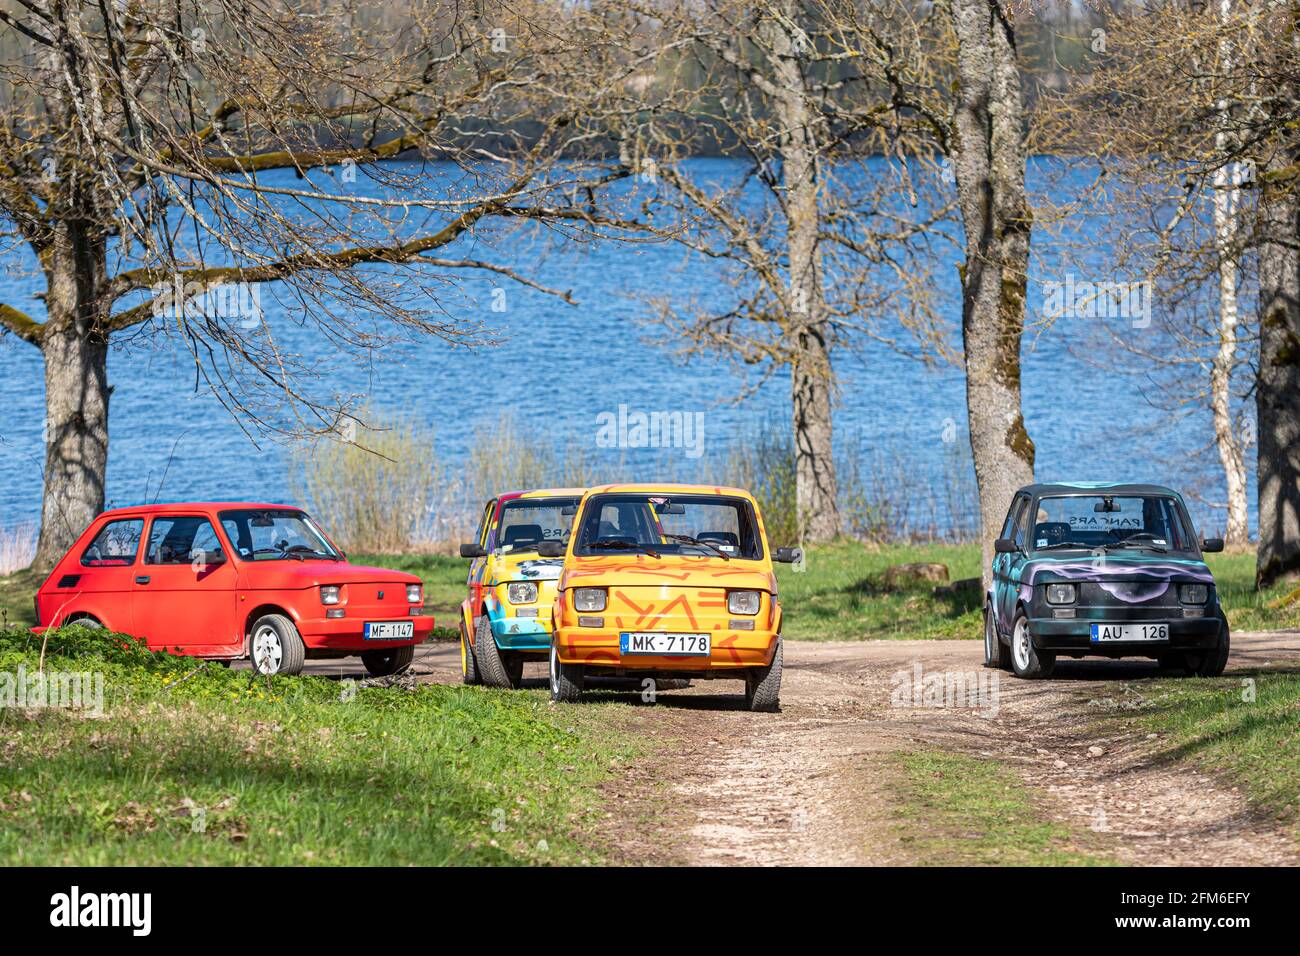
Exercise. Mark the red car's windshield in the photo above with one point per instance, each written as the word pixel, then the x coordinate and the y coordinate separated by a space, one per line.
pixel 276 536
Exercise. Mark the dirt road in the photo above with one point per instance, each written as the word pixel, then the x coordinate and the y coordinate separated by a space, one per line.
pixel 810 785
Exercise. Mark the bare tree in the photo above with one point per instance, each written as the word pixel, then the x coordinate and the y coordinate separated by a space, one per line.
pixel 988 151
pixel 824 247
pixel 1201 100
pixel 155 152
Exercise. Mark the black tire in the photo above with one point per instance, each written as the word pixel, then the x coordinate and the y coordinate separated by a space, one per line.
pixel 996 654
pixel 276 630
pixel 1210 663
pixel 566 679
pixel 493 669
pixel 1026 661
pixel 468 665
pixel 89 622
pixel 763 684
pixel 384 663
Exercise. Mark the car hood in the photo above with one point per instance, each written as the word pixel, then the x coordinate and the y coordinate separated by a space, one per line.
pixel 642 570
pixel 524 566
pixel 1128 568
pixel 289 575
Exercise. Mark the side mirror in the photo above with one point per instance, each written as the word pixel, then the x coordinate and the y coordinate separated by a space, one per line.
pixel 788 555
pixel 551 549
pixel 1212 544
pixel 1006 546
pixel 472 550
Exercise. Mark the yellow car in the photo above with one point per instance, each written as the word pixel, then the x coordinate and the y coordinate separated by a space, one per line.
pixel 506 615
pixel 668 581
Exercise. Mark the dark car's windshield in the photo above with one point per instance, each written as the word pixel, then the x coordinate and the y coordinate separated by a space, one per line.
pixel 274 535
pixel 716 526
pixel 1146 522
pixel 526 522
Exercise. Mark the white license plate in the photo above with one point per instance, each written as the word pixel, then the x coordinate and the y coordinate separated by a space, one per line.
pixel 1104 633
pixel 389 630
pixel 668 645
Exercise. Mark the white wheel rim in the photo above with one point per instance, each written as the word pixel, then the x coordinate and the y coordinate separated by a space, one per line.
pixel 989 637
pixel 555 670
pixel 1020 645
pixel 267 652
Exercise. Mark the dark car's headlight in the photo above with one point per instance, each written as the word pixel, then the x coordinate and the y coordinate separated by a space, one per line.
pixel 1193 593
pixel 521 592
pixel 589 599
pixel 1060 594
pixel 742 602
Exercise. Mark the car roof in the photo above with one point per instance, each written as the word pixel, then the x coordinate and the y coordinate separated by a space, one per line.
pixel 1095 487
pixel 204 506
pixel 543 493
pixel 669 488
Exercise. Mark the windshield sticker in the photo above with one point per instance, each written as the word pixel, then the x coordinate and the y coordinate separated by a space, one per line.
pixel 1040 543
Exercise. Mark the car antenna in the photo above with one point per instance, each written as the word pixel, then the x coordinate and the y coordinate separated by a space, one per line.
pixel 166 469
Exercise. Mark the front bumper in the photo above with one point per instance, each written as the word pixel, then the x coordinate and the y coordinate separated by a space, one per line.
pixel 1075 635
pixel 347 634
pixel 730 651
pixel 522 633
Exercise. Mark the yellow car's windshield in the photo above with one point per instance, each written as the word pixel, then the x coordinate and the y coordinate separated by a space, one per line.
pixel 717 526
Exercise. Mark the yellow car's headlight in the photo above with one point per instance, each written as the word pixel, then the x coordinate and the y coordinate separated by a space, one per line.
pixel 589 599
pixel 521 592
pixel 743 602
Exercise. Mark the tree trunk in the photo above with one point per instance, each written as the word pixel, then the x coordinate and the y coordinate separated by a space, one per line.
pixel 988 156
pixel 1277 385
pixel 75 350
pixel 811 379
pixel 1227 205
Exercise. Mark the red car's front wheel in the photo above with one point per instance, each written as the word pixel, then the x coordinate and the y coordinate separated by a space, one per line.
pixel 275 647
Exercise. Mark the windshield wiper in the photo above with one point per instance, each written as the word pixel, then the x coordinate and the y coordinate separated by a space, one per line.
pixel 624 546
pixel 1133 541
pixel 687 539
pixel 1065 544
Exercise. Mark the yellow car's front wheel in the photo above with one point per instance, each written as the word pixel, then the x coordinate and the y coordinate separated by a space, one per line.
pixel 468 666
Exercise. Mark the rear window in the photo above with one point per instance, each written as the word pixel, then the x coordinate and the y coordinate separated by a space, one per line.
pixel 116 545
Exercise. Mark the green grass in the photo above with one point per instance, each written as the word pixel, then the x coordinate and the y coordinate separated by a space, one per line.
pixel 954 810
pixel 292 770
pixel 1215 724
pixel 841 595
pixel 1248 609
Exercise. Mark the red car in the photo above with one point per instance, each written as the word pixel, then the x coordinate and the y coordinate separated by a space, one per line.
pixel 234 580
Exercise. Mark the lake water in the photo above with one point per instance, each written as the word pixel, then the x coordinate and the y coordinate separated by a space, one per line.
pixel 557 367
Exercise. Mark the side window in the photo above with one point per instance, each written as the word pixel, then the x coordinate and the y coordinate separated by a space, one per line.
pixel 1009 526
pixel 182 540
pixel 485 523
pixel 1023 523
pixel 116 544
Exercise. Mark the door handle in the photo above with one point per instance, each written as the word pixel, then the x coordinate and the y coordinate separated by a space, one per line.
pixel 142 579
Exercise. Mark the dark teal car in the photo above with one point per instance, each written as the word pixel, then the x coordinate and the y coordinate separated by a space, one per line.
pixel 1108 570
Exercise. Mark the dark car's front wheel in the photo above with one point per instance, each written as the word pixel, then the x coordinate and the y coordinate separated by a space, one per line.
pixel 1026 661
pixel 995 652
pixel 1211 662
pixel 275 647
pixel 391 661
